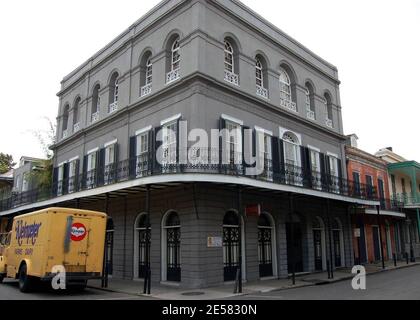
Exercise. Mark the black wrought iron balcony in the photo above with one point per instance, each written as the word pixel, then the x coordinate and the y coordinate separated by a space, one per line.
pixel 200 162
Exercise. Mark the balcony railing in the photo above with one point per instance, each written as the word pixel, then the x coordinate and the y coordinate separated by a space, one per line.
pixel 289 104
pixel 146 90
pixel 113 107
pixel 76 127
pixel 172 76
pixel 406 199
pixel 328 123
pixel 232 78
pixel 146 165
pixel 95 117
pixel 310 114
pixel 262 92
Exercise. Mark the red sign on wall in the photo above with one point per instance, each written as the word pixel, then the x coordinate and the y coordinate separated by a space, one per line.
pixel 253 210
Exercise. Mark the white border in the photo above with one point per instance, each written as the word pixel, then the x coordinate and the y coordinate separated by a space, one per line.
pixel 144 130
pixel 330 154
pixel 74 158
pixel 171 119
pixel 110 143
pixel 282 131
pixel 232 119
pixel 269 133
pixel 92 151
pixel 313 148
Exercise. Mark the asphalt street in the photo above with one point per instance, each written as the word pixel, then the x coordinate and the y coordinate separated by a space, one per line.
pixel 9 290
pixel 401 284
pixel 396 284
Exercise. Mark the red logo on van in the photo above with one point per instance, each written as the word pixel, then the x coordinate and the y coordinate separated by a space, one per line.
pixel 78 232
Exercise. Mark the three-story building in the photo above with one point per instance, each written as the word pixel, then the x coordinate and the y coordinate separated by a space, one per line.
pixel 126 145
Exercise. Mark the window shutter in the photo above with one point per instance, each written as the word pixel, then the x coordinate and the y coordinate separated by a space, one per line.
pixel 76 176
pixel 252 151
pixel 151 151
pixel 100 168
pixel 158 143
pixel 306 166
pixel 132 161
pixel 222 125
pixel 65 181
pixel 282 161
pixel 115 165
pixel 178 147
pixel 55 181
pixel 323 171
pixel 340 174
pixel 275 155
pixel 84 174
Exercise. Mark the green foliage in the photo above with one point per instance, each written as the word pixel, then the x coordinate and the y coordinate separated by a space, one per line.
pixel 6 162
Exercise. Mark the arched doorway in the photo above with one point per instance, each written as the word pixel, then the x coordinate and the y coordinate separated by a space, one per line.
pixel 109 246
pixel 266 246
pixel 231 245
pixel 295 247
pixel 140 246
pixel 338 242
pixel 171 247
pixel 318 229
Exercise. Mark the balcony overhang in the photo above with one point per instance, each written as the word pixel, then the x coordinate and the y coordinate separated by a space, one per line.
pixel 385 213
pixel 190 178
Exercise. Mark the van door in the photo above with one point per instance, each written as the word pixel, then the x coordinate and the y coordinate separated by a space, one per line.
pixel 76 244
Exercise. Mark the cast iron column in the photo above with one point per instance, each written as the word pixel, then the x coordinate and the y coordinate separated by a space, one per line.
pixel 380 236
pixel 329 239
pixel 238 285
pixel 148 275
pixel 292 238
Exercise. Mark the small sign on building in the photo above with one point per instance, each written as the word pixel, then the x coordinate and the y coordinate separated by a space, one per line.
pixel 214 242
pixel 253 210
pixel 357 232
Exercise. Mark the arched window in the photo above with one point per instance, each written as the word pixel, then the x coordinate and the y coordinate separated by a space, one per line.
pixel 146 76
pixel 259 73
pixel 309 103
pixel 292 158
pixel 286 91
pixel 229 62
pixel 266 246
pixel 65 121
pixel 328 109
pixel 175 61
pixel 261 76
pixel 96 104
pixel 142 238
pixel 113 93
pixel 176 57
pixel 231 245
pixel 76 114
pixel 171 253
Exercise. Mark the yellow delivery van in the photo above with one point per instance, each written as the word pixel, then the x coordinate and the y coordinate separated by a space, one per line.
pixel 42 240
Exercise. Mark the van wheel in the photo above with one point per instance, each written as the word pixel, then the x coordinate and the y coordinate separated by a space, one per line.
pixel 25 281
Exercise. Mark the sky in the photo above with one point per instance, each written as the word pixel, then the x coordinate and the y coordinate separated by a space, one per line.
pixel 374 43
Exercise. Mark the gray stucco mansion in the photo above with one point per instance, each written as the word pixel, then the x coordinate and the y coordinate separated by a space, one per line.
pixel 212 65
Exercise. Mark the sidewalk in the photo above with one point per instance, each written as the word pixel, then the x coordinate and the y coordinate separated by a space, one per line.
pixel 166 292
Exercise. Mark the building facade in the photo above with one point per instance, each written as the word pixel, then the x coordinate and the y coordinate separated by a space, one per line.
pixel 375 234
pixel 126 146
pixel 404 181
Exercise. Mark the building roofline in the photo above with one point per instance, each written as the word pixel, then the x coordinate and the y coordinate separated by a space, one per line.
pixel 365 155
